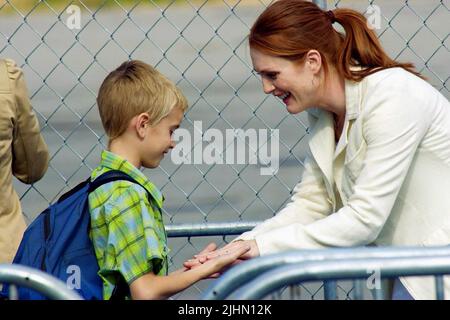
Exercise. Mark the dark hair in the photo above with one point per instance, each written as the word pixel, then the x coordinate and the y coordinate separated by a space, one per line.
pixel 290 28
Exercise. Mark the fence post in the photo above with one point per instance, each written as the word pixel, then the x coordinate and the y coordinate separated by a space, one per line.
pixel 329 288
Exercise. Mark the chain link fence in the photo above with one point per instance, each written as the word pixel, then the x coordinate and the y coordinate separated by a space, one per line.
pixel 66 48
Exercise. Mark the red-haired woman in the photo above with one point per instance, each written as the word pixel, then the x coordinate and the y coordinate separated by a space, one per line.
pixel 378 170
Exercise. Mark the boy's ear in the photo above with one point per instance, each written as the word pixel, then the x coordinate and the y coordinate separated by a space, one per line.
pixel 141 125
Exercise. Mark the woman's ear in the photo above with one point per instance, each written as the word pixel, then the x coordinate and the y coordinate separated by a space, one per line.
pixel 313 61
pixel 142 124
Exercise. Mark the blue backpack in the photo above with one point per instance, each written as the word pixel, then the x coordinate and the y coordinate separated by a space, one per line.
pixel 57 242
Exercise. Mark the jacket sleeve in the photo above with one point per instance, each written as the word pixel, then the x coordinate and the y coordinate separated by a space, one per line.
pixel 309 203
pixel 393 126
pixel 30 152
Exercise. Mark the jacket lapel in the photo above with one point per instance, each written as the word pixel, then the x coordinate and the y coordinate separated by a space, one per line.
pixel 352 106
pixel 321 145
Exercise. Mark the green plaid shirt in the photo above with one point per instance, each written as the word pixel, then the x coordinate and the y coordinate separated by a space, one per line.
pixel 126 226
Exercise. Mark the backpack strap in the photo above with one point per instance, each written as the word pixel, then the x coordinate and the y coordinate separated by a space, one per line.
pixel 121 289
pixel 110 176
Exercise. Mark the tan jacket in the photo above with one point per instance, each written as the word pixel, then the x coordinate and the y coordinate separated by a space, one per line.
pixel 387 181
pixel 23 153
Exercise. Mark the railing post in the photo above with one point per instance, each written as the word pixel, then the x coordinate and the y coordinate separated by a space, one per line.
pixel 358 290
pixel 439 281
pixel 329 288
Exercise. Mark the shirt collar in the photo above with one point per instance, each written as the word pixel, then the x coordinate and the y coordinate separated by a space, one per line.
pixel 353 95
pixel 113 161
pixel 352 99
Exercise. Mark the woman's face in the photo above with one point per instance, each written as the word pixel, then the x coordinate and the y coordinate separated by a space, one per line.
pixel 296 84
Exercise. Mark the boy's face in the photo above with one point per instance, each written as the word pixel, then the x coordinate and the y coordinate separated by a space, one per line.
pixel 158 140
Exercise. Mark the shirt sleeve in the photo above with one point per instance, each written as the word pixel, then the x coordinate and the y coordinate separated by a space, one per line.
pixel 30 152
pixel 393 126
pixel 136 236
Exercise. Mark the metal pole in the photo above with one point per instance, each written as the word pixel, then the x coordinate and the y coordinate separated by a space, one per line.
pixel 358 293
pixel 274 279
pixel 38 280
pixel 245 272
pixel 209 229
pixel 329 288
pixel 439 287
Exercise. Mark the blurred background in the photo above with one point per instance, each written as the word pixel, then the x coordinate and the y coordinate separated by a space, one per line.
pixel 202 47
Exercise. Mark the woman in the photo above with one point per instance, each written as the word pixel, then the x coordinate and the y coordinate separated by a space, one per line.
pixel 378 170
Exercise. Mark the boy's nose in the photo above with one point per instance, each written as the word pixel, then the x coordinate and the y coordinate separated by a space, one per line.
pixel 172 144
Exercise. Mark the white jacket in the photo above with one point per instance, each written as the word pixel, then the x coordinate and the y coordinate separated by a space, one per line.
pixel 390 169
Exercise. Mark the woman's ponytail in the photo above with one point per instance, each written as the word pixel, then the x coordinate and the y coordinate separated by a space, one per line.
pixel 361 47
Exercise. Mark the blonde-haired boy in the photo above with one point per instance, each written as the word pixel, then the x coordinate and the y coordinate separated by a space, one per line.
pixel 140 109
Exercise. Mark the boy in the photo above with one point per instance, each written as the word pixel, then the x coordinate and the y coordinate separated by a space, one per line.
pixel 139 109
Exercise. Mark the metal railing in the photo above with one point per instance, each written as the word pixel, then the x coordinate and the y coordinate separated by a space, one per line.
pixel 246 272
pixel 279 277
pixel 41 282
pixel 209 229
pixel 257 278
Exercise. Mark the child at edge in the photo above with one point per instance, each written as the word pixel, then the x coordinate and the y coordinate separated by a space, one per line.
pixel 139 109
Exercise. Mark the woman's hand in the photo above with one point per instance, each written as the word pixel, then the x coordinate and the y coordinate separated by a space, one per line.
pixel 230 248
pixel 209 248
pixel 216 264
